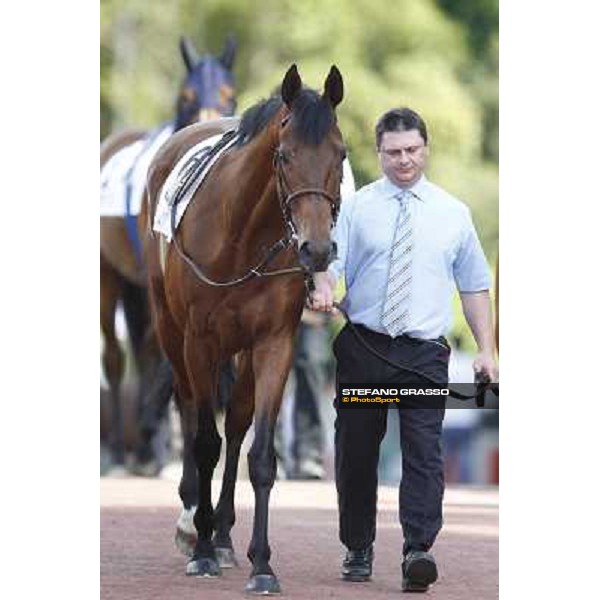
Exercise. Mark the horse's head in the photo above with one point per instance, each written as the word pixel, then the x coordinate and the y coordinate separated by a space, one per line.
pixel 208 90
pixel 308 164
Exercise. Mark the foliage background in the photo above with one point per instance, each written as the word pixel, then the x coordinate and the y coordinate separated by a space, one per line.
pixel 439 57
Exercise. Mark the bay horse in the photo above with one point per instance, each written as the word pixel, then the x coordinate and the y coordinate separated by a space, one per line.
pixel 278 186
pixel 206 92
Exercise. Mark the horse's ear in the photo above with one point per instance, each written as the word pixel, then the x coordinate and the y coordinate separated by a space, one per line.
pixel 334 86
pixel 188 52
pixel 228 55
pixel 292 84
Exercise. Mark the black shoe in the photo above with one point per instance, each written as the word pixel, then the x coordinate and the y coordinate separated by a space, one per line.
pixel 419 571
pixel 358 565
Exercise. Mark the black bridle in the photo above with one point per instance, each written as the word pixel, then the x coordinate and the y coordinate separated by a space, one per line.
pixel 286 198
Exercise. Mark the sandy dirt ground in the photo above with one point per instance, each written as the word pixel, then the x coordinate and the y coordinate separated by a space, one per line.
pixel 139 560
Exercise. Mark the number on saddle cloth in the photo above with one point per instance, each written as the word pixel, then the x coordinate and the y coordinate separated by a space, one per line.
pixel 193 171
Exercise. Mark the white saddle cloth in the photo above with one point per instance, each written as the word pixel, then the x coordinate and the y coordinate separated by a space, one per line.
pixel 162 217
pixel 129 166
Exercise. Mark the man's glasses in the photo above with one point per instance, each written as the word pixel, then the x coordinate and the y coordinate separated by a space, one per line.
pixel 398 152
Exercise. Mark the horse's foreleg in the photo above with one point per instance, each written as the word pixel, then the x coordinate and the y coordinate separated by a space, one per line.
pixel 271 361
pixel 171 339
pixel 240 410
pixel 172 343
pixel 186 536
pixel 113 360
pixel 200 365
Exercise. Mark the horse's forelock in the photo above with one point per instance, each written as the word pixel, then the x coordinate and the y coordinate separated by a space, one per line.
pixel 313 117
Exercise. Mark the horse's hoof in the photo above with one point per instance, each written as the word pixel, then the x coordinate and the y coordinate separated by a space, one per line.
pixel 264 585
pixel 185 542
pixel 203 567
pixel 226 558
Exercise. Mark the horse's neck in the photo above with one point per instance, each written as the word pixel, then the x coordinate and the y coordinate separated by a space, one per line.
pixel 254 209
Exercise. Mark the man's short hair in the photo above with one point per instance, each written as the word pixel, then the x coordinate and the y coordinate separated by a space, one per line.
pixel 399 119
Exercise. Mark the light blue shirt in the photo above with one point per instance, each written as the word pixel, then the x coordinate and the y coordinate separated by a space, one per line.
pixel 447 254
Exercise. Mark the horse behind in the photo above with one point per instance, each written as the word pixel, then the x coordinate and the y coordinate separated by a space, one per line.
pixel 207 92
pixel 274 193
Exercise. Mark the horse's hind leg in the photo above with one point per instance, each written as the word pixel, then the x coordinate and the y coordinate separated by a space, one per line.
pixel 113 359
pixel 240 410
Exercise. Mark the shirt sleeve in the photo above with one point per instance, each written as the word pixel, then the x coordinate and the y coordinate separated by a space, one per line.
pixel 471 271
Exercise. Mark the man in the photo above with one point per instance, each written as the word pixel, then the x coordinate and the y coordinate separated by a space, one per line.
pixel 403 243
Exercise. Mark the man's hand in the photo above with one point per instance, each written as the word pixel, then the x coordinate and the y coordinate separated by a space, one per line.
pixel 485 364
pixel 321 298
pixel 478 312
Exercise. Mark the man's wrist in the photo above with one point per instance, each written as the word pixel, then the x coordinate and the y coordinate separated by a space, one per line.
pixel 325 277
pixel 487 350
pixel 332 277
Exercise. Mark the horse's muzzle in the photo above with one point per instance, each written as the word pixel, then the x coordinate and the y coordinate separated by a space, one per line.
pixel 316 256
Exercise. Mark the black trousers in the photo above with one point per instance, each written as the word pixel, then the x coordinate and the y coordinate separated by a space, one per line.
pixel 359 431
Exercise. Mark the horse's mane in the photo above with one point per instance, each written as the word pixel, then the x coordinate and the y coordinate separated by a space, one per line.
pixel 313 117
pixel 256 118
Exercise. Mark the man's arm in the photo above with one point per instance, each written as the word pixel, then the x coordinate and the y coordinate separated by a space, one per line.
pixel 477 309
pixel 322 297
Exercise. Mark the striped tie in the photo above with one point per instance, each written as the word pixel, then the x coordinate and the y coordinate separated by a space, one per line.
pixel 395 308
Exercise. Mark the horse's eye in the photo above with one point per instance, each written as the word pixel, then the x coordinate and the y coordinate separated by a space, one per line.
pixel 225 93
pixel 188 95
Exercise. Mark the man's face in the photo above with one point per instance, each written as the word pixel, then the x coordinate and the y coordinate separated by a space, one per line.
pixel 403 156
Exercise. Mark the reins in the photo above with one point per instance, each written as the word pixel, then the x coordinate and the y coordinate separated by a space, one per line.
pixel 253 272
pixel 285 200
pixel 482 382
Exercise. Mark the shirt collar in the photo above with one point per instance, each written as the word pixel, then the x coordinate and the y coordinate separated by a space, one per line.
pixel 418 189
